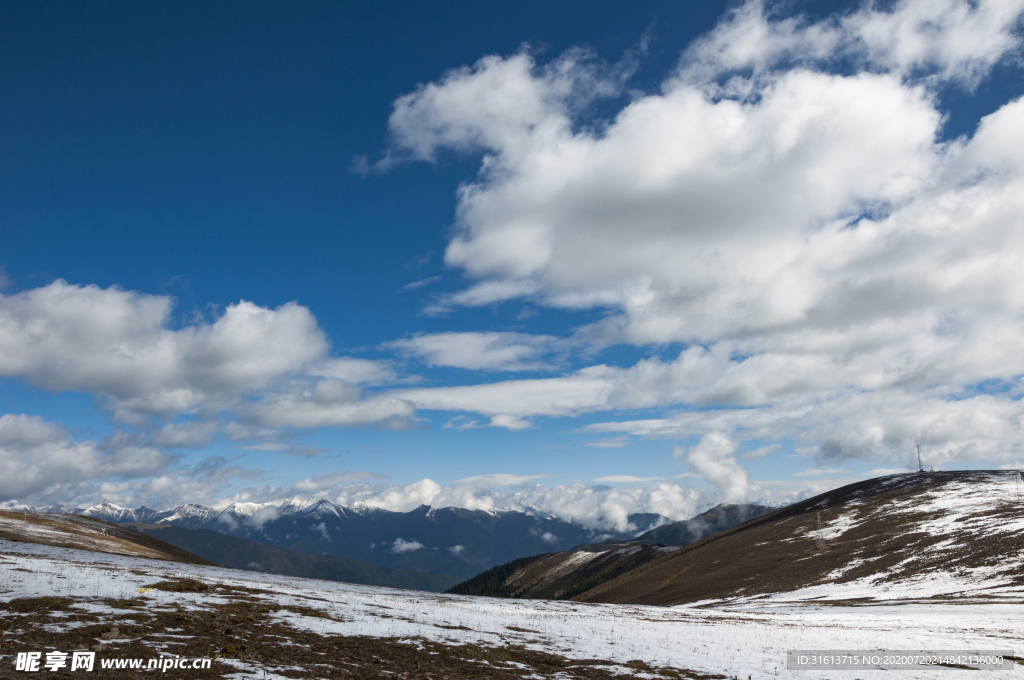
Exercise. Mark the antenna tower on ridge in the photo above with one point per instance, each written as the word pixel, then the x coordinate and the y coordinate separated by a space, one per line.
pixel 920 466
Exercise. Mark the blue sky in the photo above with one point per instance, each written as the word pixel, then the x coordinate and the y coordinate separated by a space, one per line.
pixel 641 256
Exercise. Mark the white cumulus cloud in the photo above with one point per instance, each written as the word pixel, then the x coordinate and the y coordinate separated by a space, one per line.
pixel 714 459
pixel 121 346
pixel 937 39
pixel 38 457
pixel 785 207
pixel 403 546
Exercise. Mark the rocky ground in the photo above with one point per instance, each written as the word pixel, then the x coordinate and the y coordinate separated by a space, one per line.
pixel 246 637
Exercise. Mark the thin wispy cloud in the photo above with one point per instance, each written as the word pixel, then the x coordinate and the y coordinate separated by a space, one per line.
pixel 416 285
pixel 498 479
pixel 612 443
pixel 288 449
pixel 815 472
pixel 625 479
pixel 482 351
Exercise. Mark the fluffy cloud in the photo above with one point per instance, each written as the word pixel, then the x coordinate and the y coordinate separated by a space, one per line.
pixel 120 346
pixel 403 546
pixel 785 207
pixel 500 103
pixel 714 459
pixel 943 39
pixel 39 458
pixel 395 498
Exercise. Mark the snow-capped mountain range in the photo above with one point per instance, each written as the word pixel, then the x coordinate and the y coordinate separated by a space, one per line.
pixel 451 540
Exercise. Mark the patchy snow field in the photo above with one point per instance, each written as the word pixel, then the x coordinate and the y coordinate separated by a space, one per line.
pixel 742 639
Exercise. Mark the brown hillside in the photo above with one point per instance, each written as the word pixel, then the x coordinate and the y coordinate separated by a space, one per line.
pixel 87 533
pixel 560 576
pixel 919 534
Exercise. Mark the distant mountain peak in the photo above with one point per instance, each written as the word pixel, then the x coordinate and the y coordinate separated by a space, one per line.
pixel 115 513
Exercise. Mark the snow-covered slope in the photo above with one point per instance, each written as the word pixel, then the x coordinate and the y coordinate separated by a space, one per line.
pixel 303 628
pixel 189 516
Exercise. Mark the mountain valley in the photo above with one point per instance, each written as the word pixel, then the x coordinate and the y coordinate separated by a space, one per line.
pixel 450 541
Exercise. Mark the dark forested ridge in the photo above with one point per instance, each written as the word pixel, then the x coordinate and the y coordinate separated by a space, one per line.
pixel 239 553
pixel 493 582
